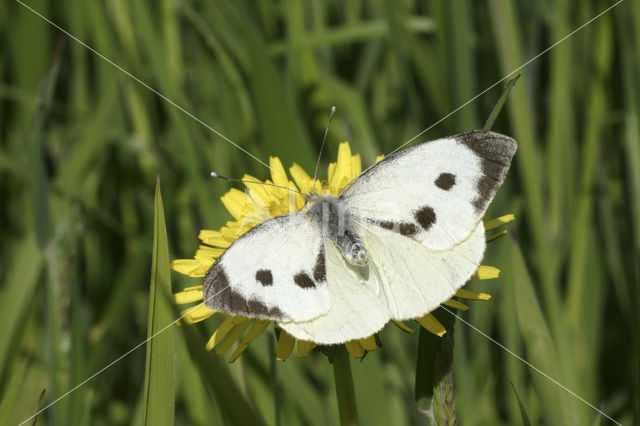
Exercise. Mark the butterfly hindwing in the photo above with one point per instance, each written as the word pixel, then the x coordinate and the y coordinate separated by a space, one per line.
pixel 276 270
pixel 356 309
pixel 414 278
pixel 435 192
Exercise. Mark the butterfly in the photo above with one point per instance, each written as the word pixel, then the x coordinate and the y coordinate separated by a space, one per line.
pixel 400 239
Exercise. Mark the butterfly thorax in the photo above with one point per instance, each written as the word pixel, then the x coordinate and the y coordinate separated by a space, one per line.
pixel 337 226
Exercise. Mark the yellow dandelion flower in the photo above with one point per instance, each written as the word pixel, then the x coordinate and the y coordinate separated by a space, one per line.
pixel 262 202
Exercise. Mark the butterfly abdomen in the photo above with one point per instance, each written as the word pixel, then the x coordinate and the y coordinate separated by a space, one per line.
pixel 352 248
pixel 336 226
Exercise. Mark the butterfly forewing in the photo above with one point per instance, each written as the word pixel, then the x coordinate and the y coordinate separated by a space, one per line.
pixel 435 192
pixel 276 270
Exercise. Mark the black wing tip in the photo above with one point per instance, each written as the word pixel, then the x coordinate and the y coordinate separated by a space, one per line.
pixel 215 282
pixel 496 152
pixel 488 140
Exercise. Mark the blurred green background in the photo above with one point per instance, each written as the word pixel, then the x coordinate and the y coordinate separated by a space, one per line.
pixel 81 145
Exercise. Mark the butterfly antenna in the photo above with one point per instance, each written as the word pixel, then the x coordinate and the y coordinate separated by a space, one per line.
pixel 219 176
pixel 324 140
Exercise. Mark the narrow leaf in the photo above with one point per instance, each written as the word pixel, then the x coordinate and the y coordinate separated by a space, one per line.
pixel 433 361
pixel 159 373
pixel 216 375
pixel 523 412
pixel 344 388
pixel 541 351
pixel 10 395
pixel 20 283
pixel 498 106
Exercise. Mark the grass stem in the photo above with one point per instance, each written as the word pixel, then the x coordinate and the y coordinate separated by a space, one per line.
pixel 344 388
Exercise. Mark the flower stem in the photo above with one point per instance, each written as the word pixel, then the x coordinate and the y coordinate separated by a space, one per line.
pixel 444 408
pixel 434 374
pixel 344 388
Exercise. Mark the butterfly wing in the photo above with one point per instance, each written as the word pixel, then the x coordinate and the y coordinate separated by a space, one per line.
pixel 435 192
pixel 356 309
pixel 276 271
pixel 416 279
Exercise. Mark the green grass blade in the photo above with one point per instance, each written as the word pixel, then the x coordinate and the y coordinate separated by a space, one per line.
pixel 401 39
pixel 463 82
pixel 215 373
pixel 514 370
pixel 584 306
pixel 631 137
pixel 159 370
pixel 528 160
pixel 344 387
pixel 541 350
pixel 292 389
pixel 632 144
pixel 424 376
pixel 351 107
pixel 77 401
pixel 17 293
pixel 523 411
pixel 198 406
pixel 561 135
pixel 11 392
pixel 371 390
pixel 433 363
pixel 279 125
pixel 41 214
pixel 495 111
pixel 354 32
pixel 613 246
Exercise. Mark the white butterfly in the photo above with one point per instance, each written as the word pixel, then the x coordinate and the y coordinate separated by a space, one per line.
pixel 399 240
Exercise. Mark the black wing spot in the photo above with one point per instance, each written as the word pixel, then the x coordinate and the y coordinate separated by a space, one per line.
pixel 303 280
pixel 407 229
pixel 320 269
pixel 264 277
pixel 386 224
pixel 426 217
pixel 445 181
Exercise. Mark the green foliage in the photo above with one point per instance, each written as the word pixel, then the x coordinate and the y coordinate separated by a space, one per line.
pixel 523 411
pixel 434 388
pixel 344 387
pixel 81 145
pixel 159 372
